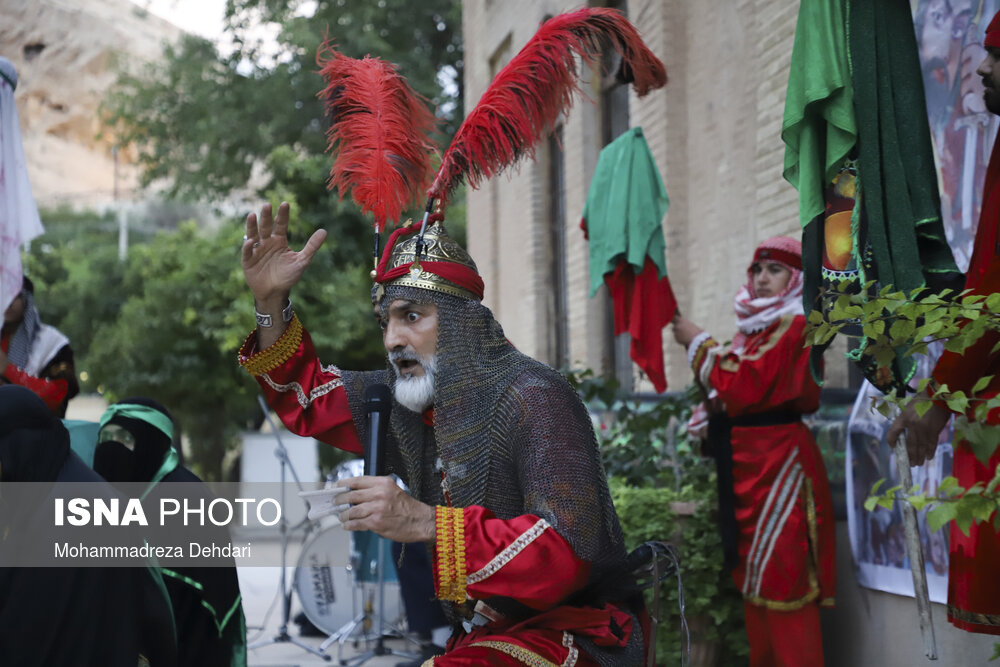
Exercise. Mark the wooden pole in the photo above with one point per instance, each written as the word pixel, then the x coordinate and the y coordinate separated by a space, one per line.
pixel 916 554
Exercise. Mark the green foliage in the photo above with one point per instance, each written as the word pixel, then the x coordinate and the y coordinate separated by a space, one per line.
pixel 78 278
pixel 663 490
pixel 167 322
pixel 900 325
pixel 978 504
pixel 713 606
pixel 202 120
pixel 640 439
pixel 174 335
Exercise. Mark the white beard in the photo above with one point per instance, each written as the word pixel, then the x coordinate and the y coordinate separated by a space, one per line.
pixel 416 392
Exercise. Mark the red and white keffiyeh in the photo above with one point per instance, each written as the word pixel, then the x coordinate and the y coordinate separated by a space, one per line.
pixel 757 313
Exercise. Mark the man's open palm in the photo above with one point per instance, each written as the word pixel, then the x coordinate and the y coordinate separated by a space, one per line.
pixel 270 266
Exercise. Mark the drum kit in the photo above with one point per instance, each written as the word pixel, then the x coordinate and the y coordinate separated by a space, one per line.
pixel 317 579
pixel 375 610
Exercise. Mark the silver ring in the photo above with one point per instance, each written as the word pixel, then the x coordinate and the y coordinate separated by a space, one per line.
pixel 256 244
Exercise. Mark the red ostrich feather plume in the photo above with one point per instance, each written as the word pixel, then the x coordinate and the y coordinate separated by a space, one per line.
pixel 526 98
pixel 379 134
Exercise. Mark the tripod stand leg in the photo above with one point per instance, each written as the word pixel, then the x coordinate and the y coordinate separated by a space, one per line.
pixel 343 631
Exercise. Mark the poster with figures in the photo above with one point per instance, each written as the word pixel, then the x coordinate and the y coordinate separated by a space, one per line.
pixel 878 543
pixel 950 43
pixel 949 38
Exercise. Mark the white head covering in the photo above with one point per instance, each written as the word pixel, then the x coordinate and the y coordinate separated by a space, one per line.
pixel 19 221
pixel 755 313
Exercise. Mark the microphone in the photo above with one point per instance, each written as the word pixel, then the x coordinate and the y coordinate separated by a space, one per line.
pixel 378 403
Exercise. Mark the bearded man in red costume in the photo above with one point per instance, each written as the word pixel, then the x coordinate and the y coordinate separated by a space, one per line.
pixel 497 449
pixel 506 483
pixel 973 577
pixel 775 508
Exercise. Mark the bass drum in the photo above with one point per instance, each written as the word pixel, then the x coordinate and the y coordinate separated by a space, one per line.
pixel 319 573
pixel 322 569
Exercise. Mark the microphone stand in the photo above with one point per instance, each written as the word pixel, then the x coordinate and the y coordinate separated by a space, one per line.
pixel 377 403
pixel 286 599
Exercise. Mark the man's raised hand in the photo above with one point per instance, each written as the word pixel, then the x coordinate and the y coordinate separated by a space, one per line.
pixel 270 266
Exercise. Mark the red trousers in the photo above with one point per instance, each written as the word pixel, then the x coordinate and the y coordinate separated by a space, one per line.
pixel 784 638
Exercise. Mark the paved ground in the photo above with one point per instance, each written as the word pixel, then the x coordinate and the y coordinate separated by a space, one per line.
pixel 260 587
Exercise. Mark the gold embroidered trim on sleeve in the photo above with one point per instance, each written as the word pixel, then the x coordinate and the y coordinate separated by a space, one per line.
pixel 529 658
pixel 300 395
pixel 766 346
pixel 450 553
pixel 278 353
pixel 573 653
pixel 508 554
pixel 973 617
pixel 700 354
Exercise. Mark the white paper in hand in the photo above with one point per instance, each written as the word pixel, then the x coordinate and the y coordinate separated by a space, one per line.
pixel 323 502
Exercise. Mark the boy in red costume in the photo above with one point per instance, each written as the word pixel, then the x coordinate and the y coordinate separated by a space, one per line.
pixel 775 505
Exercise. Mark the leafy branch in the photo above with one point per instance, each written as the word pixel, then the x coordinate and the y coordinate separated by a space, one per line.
pixel 894 324
pixel 898 324
pixel 951 502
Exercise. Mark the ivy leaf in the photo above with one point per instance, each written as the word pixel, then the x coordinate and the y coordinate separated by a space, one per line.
pixel 982 439
pixel 940 515
pixel 991 487
pixel 983 381
pixel 948 483
pixel 964 517
pixel 957 402
pixel 918 501
pixel 982 508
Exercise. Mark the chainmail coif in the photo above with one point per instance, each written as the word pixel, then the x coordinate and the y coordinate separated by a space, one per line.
pixel 512 436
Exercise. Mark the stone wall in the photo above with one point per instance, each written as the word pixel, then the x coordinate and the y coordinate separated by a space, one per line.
pixel 63 52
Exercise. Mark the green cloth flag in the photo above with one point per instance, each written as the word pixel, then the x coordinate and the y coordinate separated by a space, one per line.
pixel 818 127
pixel 858 149
pixel 625 208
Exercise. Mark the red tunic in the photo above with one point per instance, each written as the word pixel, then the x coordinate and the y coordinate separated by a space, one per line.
pixel 783 505
pixel 475 555
pixel 973 579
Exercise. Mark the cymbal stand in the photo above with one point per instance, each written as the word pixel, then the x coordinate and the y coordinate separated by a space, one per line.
pixel 286 597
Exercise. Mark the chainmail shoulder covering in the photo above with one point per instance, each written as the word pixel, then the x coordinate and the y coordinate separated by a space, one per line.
pixel 512 436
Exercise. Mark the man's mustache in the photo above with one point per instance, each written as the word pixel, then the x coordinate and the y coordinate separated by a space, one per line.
pixel 396 356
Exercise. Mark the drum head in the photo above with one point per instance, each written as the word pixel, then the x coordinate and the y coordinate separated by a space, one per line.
pixel 315 580
pixel 329 594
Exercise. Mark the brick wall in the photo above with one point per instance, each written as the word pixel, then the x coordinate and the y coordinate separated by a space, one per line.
pixel 715 133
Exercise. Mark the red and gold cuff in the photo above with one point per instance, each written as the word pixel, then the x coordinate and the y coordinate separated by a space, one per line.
pixel 450 553
pixel 698 358
pixel 265 361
